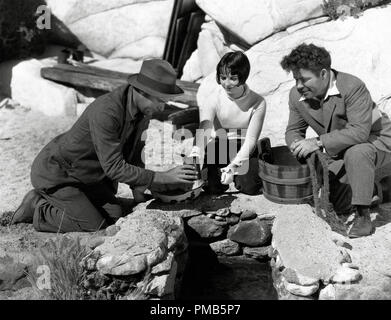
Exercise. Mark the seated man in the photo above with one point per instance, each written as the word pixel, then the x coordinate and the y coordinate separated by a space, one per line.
pixel 351 129
pixel 75 176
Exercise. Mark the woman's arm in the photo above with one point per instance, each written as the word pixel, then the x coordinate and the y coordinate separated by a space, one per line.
pixel 253 131
pixel 204 132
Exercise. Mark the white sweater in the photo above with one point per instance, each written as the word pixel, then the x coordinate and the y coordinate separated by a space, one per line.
pixel 246 112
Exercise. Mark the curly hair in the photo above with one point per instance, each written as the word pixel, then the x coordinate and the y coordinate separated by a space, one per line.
pixel 307 56
pixel 237 63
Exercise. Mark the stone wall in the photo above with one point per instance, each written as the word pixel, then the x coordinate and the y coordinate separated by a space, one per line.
pixel 309 261
pixel 142 256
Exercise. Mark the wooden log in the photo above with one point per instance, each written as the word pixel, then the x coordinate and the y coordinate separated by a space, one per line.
pixel 86 76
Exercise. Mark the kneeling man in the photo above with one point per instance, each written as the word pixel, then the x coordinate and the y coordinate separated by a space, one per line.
pixel 75 176
pixel 353 132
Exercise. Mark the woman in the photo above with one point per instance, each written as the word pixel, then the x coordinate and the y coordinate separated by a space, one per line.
pixel 233 118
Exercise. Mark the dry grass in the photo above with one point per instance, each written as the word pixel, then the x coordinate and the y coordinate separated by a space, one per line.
pixel 62 258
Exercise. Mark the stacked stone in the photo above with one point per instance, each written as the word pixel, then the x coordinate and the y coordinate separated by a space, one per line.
pixel 239 232
pixel 142 256
pixel 308 260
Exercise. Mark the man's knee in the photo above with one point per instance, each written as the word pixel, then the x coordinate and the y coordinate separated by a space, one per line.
pixel 360 153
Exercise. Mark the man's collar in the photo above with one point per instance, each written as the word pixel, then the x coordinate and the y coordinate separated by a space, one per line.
pixel 332 90
pixel 131 106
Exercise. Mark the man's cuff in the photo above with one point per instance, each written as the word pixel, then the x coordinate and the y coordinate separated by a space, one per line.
pixel 146 179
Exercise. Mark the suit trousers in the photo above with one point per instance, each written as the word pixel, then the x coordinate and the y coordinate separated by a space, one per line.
pixel 78 208
pixel 352 178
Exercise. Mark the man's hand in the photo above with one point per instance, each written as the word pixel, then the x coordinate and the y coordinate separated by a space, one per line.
pixel 303 148
pixel 138 194
pixel 182 174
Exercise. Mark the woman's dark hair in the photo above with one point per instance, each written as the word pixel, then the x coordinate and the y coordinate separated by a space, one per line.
pixel 235 63
pixel 307 56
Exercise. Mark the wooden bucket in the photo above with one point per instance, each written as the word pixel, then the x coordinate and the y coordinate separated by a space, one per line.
pixel 286 180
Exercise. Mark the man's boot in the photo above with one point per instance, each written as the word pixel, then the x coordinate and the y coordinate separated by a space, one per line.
pixel 361 226
pixel 25 212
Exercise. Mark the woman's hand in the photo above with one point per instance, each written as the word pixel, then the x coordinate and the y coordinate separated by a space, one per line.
pixel 227 173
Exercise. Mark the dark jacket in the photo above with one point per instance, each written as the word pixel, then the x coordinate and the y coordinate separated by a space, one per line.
pixel 99 146
pixel 342 121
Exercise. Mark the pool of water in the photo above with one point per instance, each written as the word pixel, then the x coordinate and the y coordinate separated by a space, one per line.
pixel 209 277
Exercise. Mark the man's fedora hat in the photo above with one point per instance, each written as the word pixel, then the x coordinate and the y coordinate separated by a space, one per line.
pixel 157 78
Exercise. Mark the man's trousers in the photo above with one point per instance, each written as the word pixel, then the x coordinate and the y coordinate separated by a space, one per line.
pixel 352 178
pixel 77 208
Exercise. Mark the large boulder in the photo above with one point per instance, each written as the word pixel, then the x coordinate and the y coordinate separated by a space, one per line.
pixel 304 243
pixel 32 91
pixel 254 20
pixel 357 46
pixel 144 240
pixel 135 29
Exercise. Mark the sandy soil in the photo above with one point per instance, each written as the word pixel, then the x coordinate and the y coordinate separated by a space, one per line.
pixel 23 133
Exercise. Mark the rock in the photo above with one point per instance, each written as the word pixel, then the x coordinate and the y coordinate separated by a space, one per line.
pixel 94 242
pixel 163 285
pixel 248 215
pixel 165 265
pixel 327 293
pixel 346 275
pixel 143 241
pixel 206 227
pixel 125 65
pixel 279 264
pixel 225 247
pixel 346 258
pixel 280 285
pixel 237 211
pixel 260 253
pixel 304 242
pixel 344 39
pixel 112 230
pixel 350 265
pixel 135 29
pixel 264 208
pixel 303 291
pixel 293 277
pixel 232 219
pixel 340 240
pixel 54 99
pixel 211 215
pixel 12 274
pixel 221 219
pixel 224 212
pixel 254 20
pixel 252 233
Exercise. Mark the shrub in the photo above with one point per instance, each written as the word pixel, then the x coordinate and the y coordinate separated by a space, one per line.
pixel 19 35
pixel 338 8
pixel 63 258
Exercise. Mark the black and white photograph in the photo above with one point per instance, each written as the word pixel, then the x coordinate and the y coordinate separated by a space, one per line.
pixel 195 154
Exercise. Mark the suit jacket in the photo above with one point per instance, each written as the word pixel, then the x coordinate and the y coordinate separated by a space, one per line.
pixel 99 146
pixel 342 120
